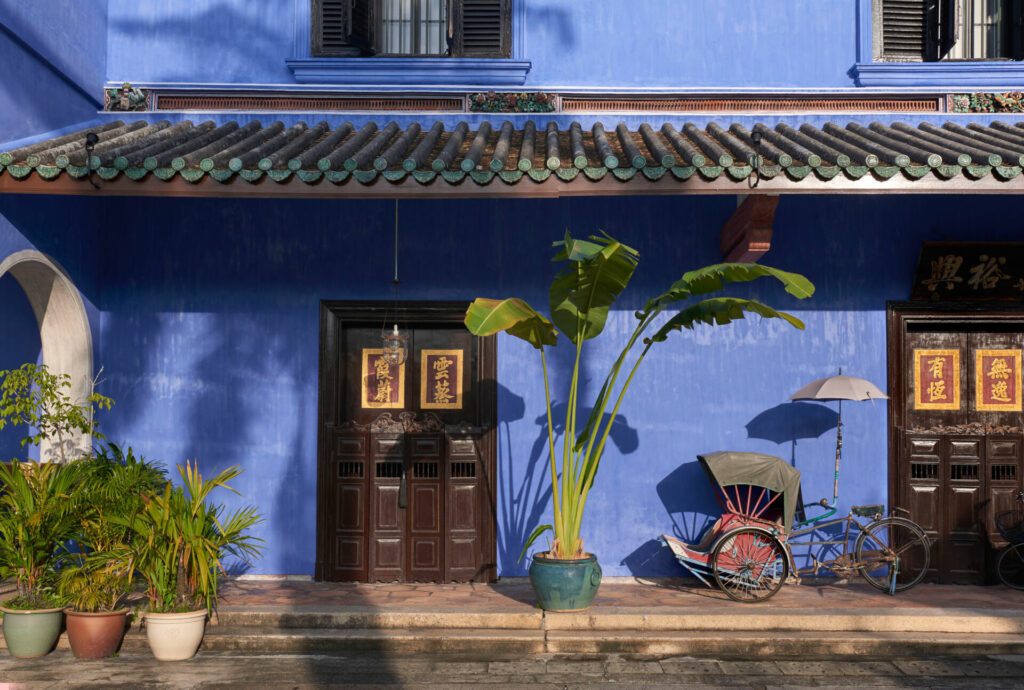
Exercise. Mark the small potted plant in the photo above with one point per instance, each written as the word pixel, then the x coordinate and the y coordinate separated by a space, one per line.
pixel 178 545
pixel 36 519
pixel 95 580
pixel 595 272
pixel 38 501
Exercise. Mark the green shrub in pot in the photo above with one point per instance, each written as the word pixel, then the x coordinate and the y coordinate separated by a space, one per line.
pixel 179 543
pixel 95 579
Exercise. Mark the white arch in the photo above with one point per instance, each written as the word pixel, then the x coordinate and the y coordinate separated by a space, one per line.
pixel 63 323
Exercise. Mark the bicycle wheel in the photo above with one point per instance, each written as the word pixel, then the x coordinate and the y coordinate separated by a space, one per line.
pixel 1010 566
pixel 749 565
pixel 893 547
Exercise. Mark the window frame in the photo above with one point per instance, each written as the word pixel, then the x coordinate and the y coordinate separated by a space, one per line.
pixel 376 73
pixel 872 71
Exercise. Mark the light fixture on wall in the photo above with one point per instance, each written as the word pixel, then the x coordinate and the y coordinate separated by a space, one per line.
pixel 394 342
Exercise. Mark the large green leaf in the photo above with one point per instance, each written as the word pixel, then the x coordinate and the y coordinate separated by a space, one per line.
pixel 719 311
pixel 514 316
pixel 717 276
pixel 598 271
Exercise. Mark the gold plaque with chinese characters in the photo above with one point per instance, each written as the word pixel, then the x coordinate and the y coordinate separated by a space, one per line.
pixel 936 379
pixel 383 383
pixel 441 379
pixel 997 380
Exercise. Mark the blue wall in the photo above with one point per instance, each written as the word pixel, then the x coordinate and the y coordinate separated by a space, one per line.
pixel 210 333
pixel 54 62
pixel 18 345
pixel 613 43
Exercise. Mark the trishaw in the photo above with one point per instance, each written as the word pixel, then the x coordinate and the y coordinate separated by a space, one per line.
pixel 747 551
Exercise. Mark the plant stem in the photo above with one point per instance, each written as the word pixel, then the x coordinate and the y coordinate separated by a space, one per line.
pixel 608 427
pixel 555 497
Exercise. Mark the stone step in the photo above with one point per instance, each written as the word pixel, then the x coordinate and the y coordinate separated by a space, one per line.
pixel 753 618
pixel 765 620
pixel 373 618
pixel 782 645
pixel 513 643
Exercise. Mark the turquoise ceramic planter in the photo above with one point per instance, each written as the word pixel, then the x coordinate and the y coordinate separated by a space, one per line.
pixel 565 585
pixel 32 633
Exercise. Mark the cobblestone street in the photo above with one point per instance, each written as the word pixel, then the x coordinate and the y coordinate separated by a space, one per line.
pixel 61 670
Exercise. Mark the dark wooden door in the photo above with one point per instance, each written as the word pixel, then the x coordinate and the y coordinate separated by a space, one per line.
pixel 407 451
pixel 957 430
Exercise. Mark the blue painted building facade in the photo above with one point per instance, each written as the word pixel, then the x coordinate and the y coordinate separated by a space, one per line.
pixel 204 312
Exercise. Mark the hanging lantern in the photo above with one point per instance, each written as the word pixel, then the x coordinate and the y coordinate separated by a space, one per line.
pixel 395 347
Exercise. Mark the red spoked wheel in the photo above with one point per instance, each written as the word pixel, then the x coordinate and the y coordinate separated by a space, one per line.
pixel 750 565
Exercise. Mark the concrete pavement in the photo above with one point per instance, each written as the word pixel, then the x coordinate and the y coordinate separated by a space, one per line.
pixel 222 670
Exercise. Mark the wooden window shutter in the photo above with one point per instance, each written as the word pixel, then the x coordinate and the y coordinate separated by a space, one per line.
pixel 909 30
pixel 1017 30
pixel 343 28
pixel 482 28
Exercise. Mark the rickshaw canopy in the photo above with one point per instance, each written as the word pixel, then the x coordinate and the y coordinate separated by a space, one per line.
pixel 731 468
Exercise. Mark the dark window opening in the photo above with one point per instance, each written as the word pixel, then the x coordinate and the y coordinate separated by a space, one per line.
pixel 933 30
pixel 426 28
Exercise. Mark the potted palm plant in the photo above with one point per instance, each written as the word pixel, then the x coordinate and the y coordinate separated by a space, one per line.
pixel 595 273
pixel 36 519
pixel 178 545
pixel 93 580
pixel 38 500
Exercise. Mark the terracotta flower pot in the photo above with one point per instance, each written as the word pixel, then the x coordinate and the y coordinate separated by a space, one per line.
pixel 564 585
pixel 32 633
pixel 175 636
pixel 96 635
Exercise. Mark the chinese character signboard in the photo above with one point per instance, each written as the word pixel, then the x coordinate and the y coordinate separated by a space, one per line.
pixel 997 380
pixel 383 382
pixel 958 271
pixel 936 379
pixel 441 379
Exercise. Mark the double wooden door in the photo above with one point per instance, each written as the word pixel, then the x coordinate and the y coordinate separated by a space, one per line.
pixel 958 434
pixel 407 450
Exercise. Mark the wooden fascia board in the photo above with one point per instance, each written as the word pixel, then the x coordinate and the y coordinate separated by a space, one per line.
pixel 409 188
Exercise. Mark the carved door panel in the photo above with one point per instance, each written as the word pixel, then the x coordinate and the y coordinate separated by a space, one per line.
pixel 410 500
pixel 964 553
pixel 960 459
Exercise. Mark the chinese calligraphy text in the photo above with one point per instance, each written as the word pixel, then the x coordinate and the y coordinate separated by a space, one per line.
pixel 936 379
pixel 383 384
pixel 997 380
pixel 441 379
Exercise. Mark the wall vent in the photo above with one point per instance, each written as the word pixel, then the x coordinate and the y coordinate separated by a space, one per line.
pixel 691 104
pixel 309 103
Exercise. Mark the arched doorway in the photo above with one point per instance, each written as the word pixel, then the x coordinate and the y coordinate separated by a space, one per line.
pixel 63 324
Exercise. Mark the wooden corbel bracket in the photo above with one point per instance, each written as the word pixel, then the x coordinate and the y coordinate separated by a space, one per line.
pixel 747 235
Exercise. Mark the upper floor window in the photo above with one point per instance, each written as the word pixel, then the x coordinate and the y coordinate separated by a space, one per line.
pixel 434 28
pixel 914 30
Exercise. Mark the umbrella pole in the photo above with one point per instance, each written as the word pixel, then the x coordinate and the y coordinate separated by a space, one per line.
pixel 839 454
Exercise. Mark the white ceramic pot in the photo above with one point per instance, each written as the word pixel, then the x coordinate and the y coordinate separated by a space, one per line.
pixel 175 636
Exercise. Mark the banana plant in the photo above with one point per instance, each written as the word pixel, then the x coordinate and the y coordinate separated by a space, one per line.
pixel 595 272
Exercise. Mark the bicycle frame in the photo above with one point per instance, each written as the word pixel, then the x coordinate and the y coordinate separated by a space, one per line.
pixel 809 527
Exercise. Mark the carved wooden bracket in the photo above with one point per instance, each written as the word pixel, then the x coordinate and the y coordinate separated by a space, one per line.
pixel 747 235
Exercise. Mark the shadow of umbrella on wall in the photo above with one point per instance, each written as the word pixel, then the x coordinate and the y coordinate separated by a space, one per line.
pixel 791 422
pixel 839 388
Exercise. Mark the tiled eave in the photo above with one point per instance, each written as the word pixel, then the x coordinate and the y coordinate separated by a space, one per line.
pixel 536 159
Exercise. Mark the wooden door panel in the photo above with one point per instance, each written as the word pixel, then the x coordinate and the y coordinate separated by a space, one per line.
pixel 350 508
pixel 387 517
pixel 463 556
pixel 388 564
pixel 425 509
pixel 462 506
pixel 349 554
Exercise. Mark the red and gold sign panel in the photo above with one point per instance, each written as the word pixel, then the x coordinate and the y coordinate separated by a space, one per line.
pixel 441 379
pixel 936 379
pixel 997 380
pixel 383 383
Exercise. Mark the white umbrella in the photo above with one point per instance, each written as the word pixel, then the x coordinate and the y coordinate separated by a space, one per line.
pixel 839 388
